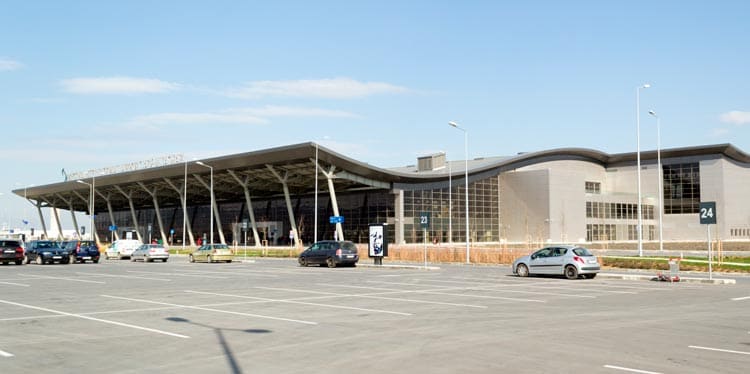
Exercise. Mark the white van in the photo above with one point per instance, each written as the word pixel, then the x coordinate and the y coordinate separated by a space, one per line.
pixel 122 248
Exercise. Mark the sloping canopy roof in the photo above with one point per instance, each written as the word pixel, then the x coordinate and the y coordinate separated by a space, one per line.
pixel 296 163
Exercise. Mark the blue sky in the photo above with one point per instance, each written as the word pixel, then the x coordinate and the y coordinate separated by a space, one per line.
pixel 90 84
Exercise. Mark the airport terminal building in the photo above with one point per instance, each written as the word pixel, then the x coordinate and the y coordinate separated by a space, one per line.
pixel 279 195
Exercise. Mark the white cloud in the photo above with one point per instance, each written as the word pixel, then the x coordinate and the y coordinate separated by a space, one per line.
pixel 736 117
pixel 336 88
pixel 251 116
pixel 8 65
pixel 117 85
pixel 719 132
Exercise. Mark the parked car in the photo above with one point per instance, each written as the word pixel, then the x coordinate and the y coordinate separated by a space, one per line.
pixel 45 252
pixel 568 260
pixel 122 248
pixel 331 253
pixel 82 250
pixel 149 253
pixel 11 250
pixel 212 253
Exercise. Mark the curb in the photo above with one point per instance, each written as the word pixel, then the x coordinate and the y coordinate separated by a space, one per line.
pixel 641 277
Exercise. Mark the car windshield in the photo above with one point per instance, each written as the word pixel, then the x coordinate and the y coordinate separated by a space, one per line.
pixel 220 246
pixel 582 251
pixel 9 243
pixel 349 246
pixel 48 245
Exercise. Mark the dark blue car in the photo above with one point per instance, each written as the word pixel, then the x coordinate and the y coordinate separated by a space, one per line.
pixel 82 251
pixel 45 252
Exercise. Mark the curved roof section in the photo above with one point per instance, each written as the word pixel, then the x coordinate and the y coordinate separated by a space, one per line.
pixel 258 170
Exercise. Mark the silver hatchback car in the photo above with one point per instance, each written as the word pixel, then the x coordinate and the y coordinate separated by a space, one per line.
pixel 568 260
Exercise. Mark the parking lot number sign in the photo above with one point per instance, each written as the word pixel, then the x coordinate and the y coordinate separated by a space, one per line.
pixel 707 212
pixel 424 220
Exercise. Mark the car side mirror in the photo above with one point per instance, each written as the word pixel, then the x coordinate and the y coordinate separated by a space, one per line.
pixel 533 257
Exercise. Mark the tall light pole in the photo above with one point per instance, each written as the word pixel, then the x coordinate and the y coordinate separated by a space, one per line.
pixel 659 174
pixel 450 204
pixel 466 182
pixel 91 206
pixel 638 162
pixel 211 237
pixel 315 235
pixel 184 209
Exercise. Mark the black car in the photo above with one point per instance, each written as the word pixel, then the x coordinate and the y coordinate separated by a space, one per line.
pixel 11 250
pixel 82 250
pixel 45 252
pixel 331 253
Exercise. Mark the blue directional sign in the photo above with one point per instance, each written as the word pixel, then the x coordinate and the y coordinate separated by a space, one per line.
pixel 336 219
pixel 112 227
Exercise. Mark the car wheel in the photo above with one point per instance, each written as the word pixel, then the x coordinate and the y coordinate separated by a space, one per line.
pixel 209 260
pixel 330 262
pixel 39 260
pixel 302 261
pixel 64 261
pixel 190 258
pixel 164 260
pixel 229 261
pixel 26 259
pixel 19 262
pixel 571 272
pixel 95 261
pixel 132 258
pixel 522 270
pixel 590 276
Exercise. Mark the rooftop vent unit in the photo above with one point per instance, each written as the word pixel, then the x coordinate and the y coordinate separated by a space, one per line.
pixel 431 162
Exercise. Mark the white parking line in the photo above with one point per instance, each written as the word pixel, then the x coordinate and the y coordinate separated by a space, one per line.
pixel 255 274
pixel 94 319
pixel 123 276
pixel 5 354
pixel 439 292
pixel 177 274
pixel 15 284
pixel 213 310
pixel 62 278
pixel 630 370
pixel 741 298
pixel 718 350
pixel 302 303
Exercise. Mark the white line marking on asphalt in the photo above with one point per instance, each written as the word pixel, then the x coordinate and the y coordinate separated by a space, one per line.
pixel 741 298
pixel 251 273
pixel 374 296
pixel 15 284
pixel 439 292
pixel 5 354
pixel 302 303
pixel 94 319
pixel 630 370
pixel 176 274
pixel 123 276
pixel 719 350
pixel 62 278
pixel 213 310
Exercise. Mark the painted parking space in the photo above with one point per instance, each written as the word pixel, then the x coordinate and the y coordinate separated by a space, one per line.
pixel 280 309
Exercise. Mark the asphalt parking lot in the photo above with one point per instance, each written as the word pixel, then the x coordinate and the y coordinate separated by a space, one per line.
pixel 271 316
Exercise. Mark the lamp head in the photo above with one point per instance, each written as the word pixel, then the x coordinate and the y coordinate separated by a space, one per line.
pixel 646 85
pixel 651 112
pixel 453 124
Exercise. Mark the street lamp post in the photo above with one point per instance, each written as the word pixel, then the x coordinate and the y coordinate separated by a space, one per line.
pixel 315 230
pixel 638 163
pixel 466 183
pixel 211 237
pixel 184 209
pixel 91 206
pixel 659 175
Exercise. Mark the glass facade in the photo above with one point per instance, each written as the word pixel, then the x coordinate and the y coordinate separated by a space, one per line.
pixel 447 212
pixel 682 193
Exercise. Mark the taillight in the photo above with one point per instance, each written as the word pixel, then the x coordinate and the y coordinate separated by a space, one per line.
pixel 338 252
pixel 578 259
pixel 78 248
pixel 19 250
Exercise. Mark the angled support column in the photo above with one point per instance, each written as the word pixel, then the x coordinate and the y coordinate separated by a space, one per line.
pixel 217 218
pixel 41 219
pixel 183 196
pixel 334 203
pixel 95 235
pixel 129 196
pixel 244 183
pixel 109 209
pixel 72 214
pixel 156 209
pixel 289 209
